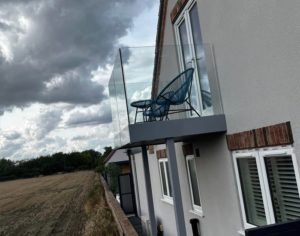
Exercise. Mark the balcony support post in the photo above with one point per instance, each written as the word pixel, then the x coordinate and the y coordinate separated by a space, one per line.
pixel 177 199
pixel 149 191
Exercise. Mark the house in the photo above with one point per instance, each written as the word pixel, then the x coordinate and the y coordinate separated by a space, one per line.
pixel 120 180
pixel 120 158
pixel 235 166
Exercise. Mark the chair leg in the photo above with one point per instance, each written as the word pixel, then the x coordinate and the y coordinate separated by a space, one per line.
pixel 192 108
pixel 135 115
pixel 144 117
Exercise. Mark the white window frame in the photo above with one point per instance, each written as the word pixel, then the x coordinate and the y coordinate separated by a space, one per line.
pixel 196 208
pixel 184 16
pixel 167 197
pixel 259 155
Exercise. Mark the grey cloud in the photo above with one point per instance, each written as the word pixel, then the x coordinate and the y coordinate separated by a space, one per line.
pixel 47 122
pixel 10 149
pixel 48 145
pixel 11 135
pixel 5 109
pixel 75 90
pixel 66 39
pixel 80 137
pixel 99 116
pixel 126 53
pixel 4 26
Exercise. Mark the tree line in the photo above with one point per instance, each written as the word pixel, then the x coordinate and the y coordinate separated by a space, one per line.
pixel 51 164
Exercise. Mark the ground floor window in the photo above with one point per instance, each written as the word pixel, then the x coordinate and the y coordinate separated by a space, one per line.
pixel 165 179
pixel 268 185
pixel 193 181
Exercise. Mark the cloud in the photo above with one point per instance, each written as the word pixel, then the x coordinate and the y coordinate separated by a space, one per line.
pixel 10 143
pixel 91 116
pixel 11 135
pixel 48 49
pixel 44 124
pixel 9 149
pixel 56 57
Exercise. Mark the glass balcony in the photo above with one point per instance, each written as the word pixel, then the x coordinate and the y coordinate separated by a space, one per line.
pixel 134 79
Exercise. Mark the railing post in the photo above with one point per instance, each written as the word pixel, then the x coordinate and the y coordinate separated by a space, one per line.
pixel 177 199
pixel 149 191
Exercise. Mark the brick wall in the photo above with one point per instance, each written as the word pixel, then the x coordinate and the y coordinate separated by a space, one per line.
pixel 274 135
pixel 125 228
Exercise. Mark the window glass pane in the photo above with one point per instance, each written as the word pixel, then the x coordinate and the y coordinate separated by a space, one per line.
pixel 251 189
pixel 163 178
pixel 283 188
pixel 194 183
pixel 186 54
pixel 169 180
pixel 199 51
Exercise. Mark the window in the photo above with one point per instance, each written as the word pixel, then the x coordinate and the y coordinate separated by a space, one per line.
pixel 268 185
pixel 191 54
pixel 193 181
pixel 165 179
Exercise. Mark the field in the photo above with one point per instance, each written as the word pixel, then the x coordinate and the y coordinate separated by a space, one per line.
pixel 62 204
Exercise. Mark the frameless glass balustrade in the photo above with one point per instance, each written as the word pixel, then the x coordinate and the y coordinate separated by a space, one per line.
pixel 134 78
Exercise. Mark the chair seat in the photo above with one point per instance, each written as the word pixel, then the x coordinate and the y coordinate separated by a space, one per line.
pixel 142 104
pixel 157 111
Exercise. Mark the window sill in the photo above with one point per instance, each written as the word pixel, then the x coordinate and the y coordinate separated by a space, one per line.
pixel 198 213
pixel 241 232
pixel 168 201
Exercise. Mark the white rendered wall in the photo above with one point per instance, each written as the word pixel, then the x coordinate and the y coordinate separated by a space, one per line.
pixel 257 51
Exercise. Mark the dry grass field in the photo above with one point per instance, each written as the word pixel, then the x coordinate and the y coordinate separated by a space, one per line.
pixel 62 204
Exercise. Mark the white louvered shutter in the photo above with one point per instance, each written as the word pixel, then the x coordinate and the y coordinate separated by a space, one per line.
pixel 251 190
pixel 283 188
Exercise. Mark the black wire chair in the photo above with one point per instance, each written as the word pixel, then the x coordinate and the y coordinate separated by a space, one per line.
pixel 177 92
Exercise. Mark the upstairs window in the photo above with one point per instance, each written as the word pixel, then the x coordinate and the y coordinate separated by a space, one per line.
pixel 268 185
pixel 191 53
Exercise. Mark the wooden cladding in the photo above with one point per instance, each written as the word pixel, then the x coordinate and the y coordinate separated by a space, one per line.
pixel 241 140
pixel 151 149
pixel 279 134
pixel 187 149
pixel 177 9
pixel 161 153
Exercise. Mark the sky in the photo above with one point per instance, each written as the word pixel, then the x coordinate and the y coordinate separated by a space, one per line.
pixel 56 58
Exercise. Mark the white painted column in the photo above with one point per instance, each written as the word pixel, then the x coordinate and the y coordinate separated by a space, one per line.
pixel 149 191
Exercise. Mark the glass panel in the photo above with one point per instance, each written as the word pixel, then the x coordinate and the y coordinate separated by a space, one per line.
pixel 118 104
pixel 283 188
pixel 125 184
pixel 163 178
pixel 131 81
pixel 194 182
pixel 169 180
pixel 200 58
pixel 251 189
pixel 138 73
pixel 127 203
pixel 185 49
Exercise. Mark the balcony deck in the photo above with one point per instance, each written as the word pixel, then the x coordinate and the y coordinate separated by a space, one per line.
pixel 150 133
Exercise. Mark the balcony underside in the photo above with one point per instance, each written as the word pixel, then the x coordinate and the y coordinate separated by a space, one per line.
pixel 150 133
